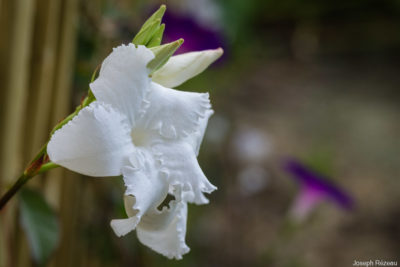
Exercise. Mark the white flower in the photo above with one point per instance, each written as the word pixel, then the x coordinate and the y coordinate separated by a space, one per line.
pixel 148 133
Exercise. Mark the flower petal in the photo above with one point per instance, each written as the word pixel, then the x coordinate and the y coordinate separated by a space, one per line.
pixel 144 191
pixel 122 227
pixel 177 161
pixel 124 80
pixel 165 231
pixel 196 138
pixel 96 142
pixel 183 67
pixel 174 113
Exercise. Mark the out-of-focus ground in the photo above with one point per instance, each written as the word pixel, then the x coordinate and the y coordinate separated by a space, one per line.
pixel 316 81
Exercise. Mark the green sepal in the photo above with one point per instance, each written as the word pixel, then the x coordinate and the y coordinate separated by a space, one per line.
pixel 146 34
pixel 156 16
pixel 151 29
pixel 162 54
pixel 157 37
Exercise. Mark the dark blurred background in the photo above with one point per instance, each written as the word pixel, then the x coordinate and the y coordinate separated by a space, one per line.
pixel 313 80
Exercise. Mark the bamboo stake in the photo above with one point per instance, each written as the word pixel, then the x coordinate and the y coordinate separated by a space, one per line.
pixel 15 99
pixel 62 85
pixel 13 113
pixel 61 188
pixel 44 49
pixel 43 74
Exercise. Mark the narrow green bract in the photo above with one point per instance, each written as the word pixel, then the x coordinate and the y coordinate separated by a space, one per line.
pixel 162 54
pixel 151 30
pixel 157 37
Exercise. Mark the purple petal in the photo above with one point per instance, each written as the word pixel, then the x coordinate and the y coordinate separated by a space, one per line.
pixel 318 183
pixel 196 36
pixel 306 200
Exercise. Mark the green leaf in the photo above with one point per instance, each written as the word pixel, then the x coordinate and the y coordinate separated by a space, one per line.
pixel 151 29
pixel 146 33
pixel 157 37
pixel 40 225
pixel 156 16
pixel 162 54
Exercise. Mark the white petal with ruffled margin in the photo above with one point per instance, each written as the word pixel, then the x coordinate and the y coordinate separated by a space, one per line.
pixel 124 80
pixel 174 113
pixel 182 67
pixel 96 142
pixel 196 138
pixel 165 231
pixel 145 190
pixel 177 161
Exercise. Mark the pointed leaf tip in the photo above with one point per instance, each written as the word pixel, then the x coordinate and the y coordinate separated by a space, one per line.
pixel 156 15
pixel 150 34
pixel 162 54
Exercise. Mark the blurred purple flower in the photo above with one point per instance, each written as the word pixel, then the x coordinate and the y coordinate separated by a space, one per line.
pixel 315 188
pixel 197 36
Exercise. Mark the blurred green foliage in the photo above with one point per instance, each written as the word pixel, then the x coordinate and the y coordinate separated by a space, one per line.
pixel 40 224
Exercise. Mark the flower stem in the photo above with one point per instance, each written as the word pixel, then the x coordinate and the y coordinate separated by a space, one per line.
pixel 14 189
pixel 25 178
pixel 40 162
